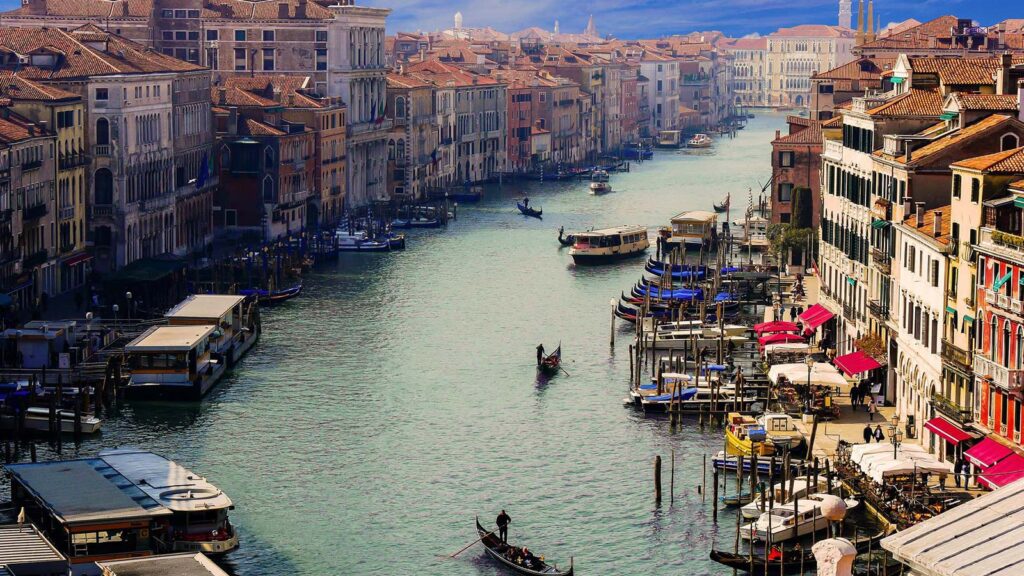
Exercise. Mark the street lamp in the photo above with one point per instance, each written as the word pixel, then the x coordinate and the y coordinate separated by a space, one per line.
pixel 895 435
pixel 128 297
pixel 115 309
pixel 807 393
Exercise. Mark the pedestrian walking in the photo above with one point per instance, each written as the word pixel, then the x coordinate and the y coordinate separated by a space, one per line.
pixel 958 467
pixel 879 435
pixel 868 435
pixel 792 313
pixel 853 396
pixel 872 408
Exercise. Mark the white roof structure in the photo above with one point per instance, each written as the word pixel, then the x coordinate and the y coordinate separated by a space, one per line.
pixel 625 229
pixel 822 374
pixel 170 338
pixel 787 347
pixel 166 481
pixel 858 452
pixel 26 545
pixel 163 565
pixel 696 215
pixel 202 306
pixel 983 537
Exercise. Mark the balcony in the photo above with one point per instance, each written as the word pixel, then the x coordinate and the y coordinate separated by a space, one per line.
pixel 951 410
pixel 956 357
pixel 882 261
pixel 31 165
pixel 878 310
pixel 335 190
pixel 102 210
pixel 70 161
pixel 969 302
pixel 990 297
pixel 1005 378
pixel 34 212
pixel 34 259
pixel 833 150
pixel 101 150
pixel 848 312
pixel 67 213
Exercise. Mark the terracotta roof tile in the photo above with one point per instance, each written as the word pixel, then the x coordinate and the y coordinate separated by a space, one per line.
pixel 257 128
pixel 114 9
pixel 810 135
pixel 265 90
pixel 860 69
pixel 265 10
pixel 813 31
pixel 1018 185
pixel 15 87
pixel 987 102
pixel 441 74
pixel 746 44
pixel 958 71
pixel 979 129
pixel 918 36
pixel 913 103
pixel 927 226
pixel 1005 162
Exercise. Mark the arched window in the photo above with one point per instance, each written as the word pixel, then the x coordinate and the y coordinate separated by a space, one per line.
pixel 1009 142
pixel 268 158
pixel 1006 344
pixel 391 149
pixel 104 186
pixel 103 131
pixel 268 190
pixel 1019 345
pixel 992 336
pixel 399 107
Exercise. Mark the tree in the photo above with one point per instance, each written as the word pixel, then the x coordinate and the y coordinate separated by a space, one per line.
pixel 787 238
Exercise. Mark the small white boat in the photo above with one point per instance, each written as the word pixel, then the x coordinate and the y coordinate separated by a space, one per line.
pixel 599 182
pixel 699 141
pixel 359 241
pixel 672 339
pixel 600 246
pixel 802 486
pixel 782 432
pixel 37 418
pixel 791 520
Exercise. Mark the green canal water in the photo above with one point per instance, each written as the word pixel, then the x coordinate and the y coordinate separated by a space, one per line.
pixel 397 398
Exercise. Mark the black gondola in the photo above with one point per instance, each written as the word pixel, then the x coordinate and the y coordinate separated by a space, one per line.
pixel 527 211
pixel 566 240
pixel 273 296
pixel 552 363
pixel 497 549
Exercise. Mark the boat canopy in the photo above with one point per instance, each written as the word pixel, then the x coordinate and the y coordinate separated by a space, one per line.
pixel 822 374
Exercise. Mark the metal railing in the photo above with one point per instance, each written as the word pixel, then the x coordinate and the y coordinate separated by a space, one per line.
pixel 34 259
pixel 878 310
pixel 101 149
pixel 1006 378
pixel 101 210
pixel 951 409
pixel 957 356
pixel 35 211
pixel 882 261
pixel 31 165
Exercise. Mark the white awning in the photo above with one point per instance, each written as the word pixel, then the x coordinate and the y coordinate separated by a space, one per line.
pixel 822 374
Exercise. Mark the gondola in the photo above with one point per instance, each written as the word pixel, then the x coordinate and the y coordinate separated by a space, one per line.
pixel 565 240
pixel 273 296
pixel 724 206
pixel 527 211
pixel 552 363
pixel 736 500
pixel 496 549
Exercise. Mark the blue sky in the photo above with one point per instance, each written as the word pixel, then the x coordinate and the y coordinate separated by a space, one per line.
pixel 649 18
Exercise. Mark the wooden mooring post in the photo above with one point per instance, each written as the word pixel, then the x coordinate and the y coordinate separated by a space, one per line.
pixel 714 494
pixel 657 479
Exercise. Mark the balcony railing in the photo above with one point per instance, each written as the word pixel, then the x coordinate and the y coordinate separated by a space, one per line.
pixel 882 261
pixel 969 302
pixel 34 212
pixel 70 161
pixel 951 409
pixel 31 165
pixel 102 210
pixel 958 357
pixel 991 297
pixel 1006 378
pixel 335 190
pixel 101 150
pixel 34 259
pixel 878 310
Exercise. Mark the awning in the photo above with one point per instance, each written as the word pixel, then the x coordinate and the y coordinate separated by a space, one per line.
pixel 777 326
pixel 948 115
pixel 879 224
pixel 999 283
pixel 780 339
pixel 986 453
pixel 952 310
pixel 1018 202
pixel 855 363
pixel 77 259
pixel 897 80
pixel 1007 470
pixel 947 430
pixel 815 316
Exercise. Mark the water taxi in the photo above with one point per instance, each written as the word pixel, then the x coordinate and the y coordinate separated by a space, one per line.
pixel 693 229
pixel 669 139
pixel 360 241
pixel 600 246
pixel 754 232
pixel 780 494
pixel 599 182
pixel 797 518
pixel 672 338
pixel 172 363
pixel 236 319
pixel 699 141
pixel 37 419
pixel 743 435
pixel 696 398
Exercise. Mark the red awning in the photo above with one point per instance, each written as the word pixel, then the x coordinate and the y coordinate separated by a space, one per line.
pixel 987 452
pixel 856 363
pixel 815 316
pixel 947 430
pixel 780 339
pixel 77 259
pixel 773 327
pixel 1007 470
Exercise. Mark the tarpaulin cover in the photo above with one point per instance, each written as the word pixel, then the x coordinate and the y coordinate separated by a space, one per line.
pixel 856 362
pixel 779 339
pixel 777 326
pixel 1007 470
pixel 987 452
pixel 947 430
pixel 815 316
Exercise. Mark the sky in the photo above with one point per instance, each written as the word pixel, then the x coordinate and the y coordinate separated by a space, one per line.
pixel 652 18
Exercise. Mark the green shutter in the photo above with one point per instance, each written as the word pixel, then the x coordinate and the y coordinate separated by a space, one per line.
pixel 1018 202
pixel 999 283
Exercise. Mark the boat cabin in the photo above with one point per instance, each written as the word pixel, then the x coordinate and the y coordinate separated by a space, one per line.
pixel 694 228
pixel 670 139
pixel 595 246
pixel 234 316
pixel 38 344
pixel 172 363
pixel 121 504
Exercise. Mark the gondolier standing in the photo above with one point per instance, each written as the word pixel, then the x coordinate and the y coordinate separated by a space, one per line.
pixel 502 522
pixel 540 354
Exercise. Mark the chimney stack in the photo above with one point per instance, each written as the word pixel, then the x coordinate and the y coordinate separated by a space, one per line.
pixel 1020 100
pixel 937 227
pixel 919 213
pixel 907 207
pixel 222 95
pixel 233 121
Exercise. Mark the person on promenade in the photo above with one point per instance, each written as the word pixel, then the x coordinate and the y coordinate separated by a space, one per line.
pixel 868 434
pixel 503 521
pixel 854 396
pixel 792 313
pixel 540 354
pixel 872 408
pixel 958 467
pixel 879 435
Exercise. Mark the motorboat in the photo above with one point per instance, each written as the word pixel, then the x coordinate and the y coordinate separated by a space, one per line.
pixel 37 419
pixel 800 517
pixel 744 435
pixel 781 494
pixel 360 241
pixel 781 430
pixel 600 246
pixel 675 339
pixel 599 182
pixel 693 229
pixel 699 141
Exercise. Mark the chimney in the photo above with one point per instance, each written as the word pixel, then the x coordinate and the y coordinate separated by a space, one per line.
pixel 1020 100
pixel 907 204
pixel 233 121
pixel 778 134
pixel 1003 74
pixel 282 10
pixel 937 227
pixel 919 212
pixel 222 95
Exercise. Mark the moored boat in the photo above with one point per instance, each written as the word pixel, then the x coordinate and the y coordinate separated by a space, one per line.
pixel 723 206
pixel 781 494
pixel 37 419
pixel 797 518
pixel 743 436
pixel 599 246
pixel 565 239
pixel 693 229
pixel 669 139
pixel 506 555
pixel 359 241
pixel 273 296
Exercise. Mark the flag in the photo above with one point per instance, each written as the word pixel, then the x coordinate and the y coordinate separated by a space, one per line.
pixel 380 115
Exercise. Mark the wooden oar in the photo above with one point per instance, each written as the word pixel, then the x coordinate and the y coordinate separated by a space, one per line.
pixel 467 546
pixel 564 370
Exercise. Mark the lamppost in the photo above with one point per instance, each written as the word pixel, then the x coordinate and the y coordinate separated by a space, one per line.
pixel 115 309
pixel 895 435
pixel 128 297
pixel 807 392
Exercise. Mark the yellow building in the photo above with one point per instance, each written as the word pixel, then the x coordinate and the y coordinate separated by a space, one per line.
pixel 61 112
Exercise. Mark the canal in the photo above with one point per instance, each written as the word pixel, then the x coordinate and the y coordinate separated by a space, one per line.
pixel 397 398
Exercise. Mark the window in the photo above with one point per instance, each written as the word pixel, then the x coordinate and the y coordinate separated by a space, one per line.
pixel 167 13
pixel 268 35
pixel 975 190
pixel 101 94
pixel 212 34
pixel 934 273
pixel 193 13
pixel 785 192
pixel 321 59
pixel 239 58
pixel 1008 142
pixel 268 59
pixel 180 13
pixel 180 34
pixel 239 35
pixel 193 35
pixel 167 34
pixel 321 36
pixel 786 159
pixel 956 185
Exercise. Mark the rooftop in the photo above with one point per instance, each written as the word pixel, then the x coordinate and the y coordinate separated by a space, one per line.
pixel 813 31
pixel 205 306
pixel 927 227
pixel 860 69
pixel 1005 162
pixel 166 481
pixel 958 137
pixel 914 102
pixel 701 215
pixel 169 338
pixel 985 102
pixel 163 565
pixel 25 544
pixel 809 135
pixel 917 37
